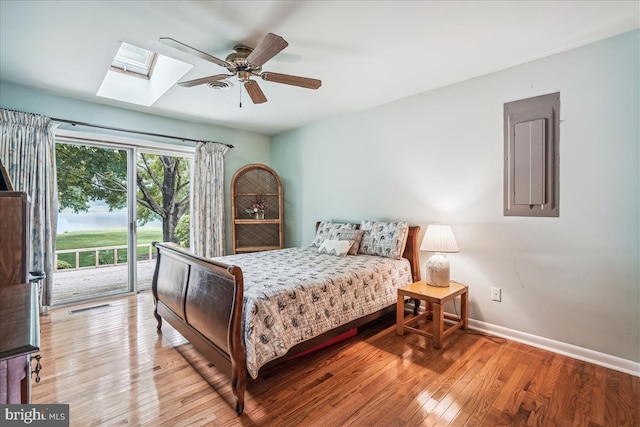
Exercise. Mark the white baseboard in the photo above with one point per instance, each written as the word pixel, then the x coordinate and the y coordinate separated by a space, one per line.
pixel 608 361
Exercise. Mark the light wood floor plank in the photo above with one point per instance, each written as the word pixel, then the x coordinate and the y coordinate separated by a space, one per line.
pixel 429 400
pixel 598 397
pixel 483 386
pixel 509 361
pixel 583 404
pixel 112 367
pixel 562 406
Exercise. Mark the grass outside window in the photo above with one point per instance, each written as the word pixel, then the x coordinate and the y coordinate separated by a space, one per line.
pixel 102 238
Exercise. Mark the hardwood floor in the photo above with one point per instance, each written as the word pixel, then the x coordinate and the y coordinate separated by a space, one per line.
pixel 112 368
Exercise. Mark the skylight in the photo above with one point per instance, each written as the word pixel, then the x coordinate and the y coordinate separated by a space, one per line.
pixel 134 59
pixel 140 76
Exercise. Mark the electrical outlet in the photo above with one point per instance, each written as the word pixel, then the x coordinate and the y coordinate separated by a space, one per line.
pixel 496 294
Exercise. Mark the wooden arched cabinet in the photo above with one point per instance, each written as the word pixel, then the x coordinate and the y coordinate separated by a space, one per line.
pixel 254 232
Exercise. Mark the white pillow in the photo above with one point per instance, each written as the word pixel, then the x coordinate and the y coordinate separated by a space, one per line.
pixel 335 247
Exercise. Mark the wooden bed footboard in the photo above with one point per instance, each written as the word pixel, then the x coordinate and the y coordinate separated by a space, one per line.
pixel 202 299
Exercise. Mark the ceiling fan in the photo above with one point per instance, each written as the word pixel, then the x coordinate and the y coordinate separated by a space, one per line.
pixel 244 63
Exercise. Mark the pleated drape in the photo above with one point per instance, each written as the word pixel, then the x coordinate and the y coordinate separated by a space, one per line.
pixel 207 222
pixel 27 148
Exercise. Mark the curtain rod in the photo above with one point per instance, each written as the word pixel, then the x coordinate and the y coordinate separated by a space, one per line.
pixel 74 123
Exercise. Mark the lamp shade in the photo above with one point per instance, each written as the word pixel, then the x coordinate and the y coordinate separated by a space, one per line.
pixel 439 238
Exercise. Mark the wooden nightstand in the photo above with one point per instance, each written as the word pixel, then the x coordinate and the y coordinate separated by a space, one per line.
pixel 435 298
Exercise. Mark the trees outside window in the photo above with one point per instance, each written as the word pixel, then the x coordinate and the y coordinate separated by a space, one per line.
pixel 87 174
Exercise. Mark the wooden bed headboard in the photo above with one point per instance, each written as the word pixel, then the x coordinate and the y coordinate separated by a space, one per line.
pixel 410 250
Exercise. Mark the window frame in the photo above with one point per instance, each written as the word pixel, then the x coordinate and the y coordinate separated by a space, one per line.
pixel 128 66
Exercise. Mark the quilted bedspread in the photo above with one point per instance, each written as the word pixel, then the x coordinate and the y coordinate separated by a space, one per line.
pixel 292 295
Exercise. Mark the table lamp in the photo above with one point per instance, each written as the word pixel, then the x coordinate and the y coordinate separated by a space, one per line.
pixel 438 239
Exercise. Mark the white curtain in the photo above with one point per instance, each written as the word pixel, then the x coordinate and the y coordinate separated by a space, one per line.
pixel 207 221
pixel 27 148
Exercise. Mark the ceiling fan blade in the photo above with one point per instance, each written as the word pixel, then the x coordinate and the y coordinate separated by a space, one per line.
pixel 291 80
pixel 254 91
pixel 268 47
pixel 204 80
pixel 193 51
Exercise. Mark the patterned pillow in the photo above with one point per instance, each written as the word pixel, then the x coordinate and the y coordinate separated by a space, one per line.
pixel 329 230
pixel 355 235
pixel 335 247
pixel 386 239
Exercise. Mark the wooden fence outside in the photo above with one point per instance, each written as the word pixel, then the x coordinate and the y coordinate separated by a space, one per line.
pixel 148 256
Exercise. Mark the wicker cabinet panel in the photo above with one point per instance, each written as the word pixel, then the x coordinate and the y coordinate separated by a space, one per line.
pixel 256 231
pixel 257 237
pixel 257 181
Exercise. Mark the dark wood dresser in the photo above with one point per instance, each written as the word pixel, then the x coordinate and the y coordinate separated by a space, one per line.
pixel 19 338
pixel 20 326
pixel 14 238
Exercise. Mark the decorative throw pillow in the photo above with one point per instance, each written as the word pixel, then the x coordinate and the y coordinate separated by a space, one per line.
pixel 329 230
pixel 355 235
pixel 335 247
pixel 386 239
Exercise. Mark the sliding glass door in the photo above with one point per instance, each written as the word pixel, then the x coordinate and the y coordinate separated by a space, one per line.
pixel 115 200
pixel 163 204
pixel 94 233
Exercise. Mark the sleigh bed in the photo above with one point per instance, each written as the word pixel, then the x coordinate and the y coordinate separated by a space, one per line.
pixel 247 311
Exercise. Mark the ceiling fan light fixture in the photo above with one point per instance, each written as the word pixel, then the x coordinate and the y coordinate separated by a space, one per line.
pixel 244 76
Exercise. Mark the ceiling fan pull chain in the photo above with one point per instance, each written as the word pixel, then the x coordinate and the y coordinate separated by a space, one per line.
pixel 240 87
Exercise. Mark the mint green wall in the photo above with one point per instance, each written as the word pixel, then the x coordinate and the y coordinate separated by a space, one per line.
pixel 249 147
pixel 437 157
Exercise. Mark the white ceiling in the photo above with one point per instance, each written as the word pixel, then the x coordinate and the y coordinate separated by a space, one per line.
pixel 365 52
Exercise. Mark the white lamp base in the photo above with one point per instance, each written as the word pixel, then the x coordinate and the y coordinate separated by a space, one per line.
pixel 438 271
